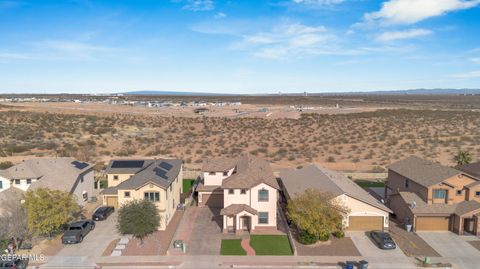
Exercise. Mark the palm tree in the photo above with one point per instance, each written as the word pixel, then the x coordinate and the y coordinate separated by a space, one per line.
pixel 463 157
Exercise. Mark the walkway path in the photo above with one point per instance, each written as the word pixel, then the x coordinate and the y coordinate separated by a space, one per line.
pixel 245 243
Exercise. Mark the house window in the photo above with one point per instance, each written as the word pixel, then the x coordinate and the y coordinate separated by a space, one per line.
pixel 211 173
pixel 152 196
pixel 459 192
pixel 225 173
pixel 477 193
pixel 115 177
pixel 127 194
pixel 243 191
pixel 231 191
pixel 406 183
pixel 263 195
pixel 29 181
pixel 439 194
pixel 17 181
pixel 1 185
pixel 262 217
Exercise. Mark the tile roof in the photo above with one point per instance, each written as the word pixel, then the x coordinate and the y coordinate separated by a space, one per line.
pixel 249 172
pixel 52 173
pixel 423 172
pixel 472 169
pixel 156 173
pixel 234 209
pixel 296 181
pixel 419 207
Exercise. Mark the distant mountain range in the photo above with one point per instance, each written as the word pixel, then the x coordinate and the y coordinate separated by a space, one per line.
pixel 392 92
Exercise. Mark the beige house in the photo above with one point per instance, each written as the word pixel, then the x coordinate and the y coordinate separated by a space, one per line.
pixel 159 181
pixel 65 174
pixel 366 212
pixel 244 189
pixel 433 197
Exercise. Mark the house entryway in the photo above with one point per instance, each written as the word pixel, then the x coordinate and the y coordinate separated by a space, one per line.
pixel 469 225
pixel 245 223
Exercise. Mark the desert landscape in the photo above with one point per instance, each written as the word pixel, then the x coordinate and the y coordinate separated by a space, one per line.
pixel 346 133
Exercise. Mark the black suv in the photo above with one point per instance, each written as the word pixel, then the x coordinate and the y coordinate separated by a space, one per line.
pixel 383 240
pixel 77 231
pixel 102 213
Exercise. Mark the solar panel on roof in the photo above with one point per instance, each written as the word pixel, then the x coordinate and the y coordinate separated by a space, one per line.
pixel 79 165
pixel 161 173
pixel 127 164
pixel 166 166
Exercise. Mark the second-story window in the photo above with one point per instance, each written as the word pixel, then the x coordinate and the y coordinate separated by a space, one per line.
pixel 477 193
pixel 459 192
pixel 115 177
pixel 17 181
pixel 263 195
pixel 231 191
pixel 127 194
pixel 243 191
pixel 211 173
pixel 225 173
pixel 29 181
pixel 439 194
pixel 152 196
pixel 1 185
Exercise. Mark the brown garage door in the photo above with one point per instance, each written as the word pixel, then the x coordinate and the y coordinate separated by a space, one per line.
pixel 365 223
pixel 212 200
pixel 432 223
pixel 112 201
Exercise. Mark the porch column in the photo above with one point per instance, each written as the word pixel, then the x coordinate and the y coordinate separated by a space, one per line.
pixel 253 221
pixel 237 221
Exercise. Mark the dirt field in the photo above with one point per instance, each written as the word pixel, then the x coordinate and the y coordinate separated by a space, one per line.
pixel 363 138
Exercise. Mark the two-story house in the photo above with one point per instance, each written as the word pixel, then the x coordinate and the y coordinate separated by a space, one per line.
pixel 432 197
pixel 159 181
pixel 65 174
pixel 245 190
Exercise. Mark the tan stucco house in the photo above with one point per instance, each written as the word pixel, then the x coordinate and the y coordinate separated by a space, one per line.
pixel 64 174
pixel 244 189
pixel 159 181
pixel 433 197
pixel 365 212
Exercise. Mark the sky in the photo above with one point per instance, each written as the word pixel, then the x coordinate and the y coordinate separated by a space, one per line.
pixel 238 46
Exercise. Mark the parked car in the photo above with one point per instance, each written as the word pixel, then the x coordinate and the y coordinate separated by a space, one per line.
pixel 17 264
pixel 102 213
pixel 383 240
pixel 77 231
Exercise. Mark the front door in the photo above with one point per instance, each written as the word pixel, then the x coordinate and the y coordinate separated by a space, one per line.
pixel 245 223
pixel 468 225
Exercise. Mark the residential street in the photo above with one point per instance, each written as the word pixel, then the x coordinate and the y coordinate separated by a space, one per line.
pixel 454 248
pixel 92 246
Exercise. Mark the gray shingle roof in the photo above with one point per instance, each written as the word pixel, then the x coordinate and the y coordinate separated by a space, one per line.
pixel 155 173
pixel 52 173
pixel 423 172
pixel 419 207
pixel 472 169
pixel 296 181
pixel 249 172
pixel 218 164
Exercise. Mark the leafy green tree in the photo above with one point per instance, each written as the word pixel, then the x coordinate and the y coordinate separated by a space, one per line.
pixel 139 218
pixel 48 210
pixel 463 157
pixel 316 213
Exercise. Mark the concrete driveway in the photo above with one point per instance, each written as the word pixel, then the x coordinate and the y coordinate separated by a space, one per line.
pixel 454 248
pixel 93 245
pixel 206 236
pixel 393 258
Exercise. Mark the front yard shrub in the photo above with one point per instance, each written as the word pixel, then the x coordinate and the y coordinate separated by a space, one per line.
pixel 339 234
pixel 307 239
pixel 324 236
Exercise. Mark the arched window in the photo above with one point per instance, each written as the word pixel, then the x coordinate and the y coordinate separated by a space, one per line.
pixel 263 195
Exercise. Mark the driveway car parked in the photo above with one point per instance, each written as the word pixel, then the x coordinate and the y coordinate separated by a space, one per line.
pixel 102 213
pixel 17 264
pixel 77 231
pixel 383 240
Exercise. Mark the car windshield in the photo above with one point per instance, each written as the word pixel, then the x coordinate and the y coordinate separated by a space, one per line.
pixel 75 228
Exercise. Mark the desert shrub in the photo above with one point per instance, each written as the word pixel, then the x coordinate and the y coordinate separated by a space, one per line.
pixel 307 239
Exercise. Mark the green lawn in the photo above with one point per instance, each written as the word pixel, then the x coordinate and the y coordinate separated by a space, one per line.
pixel 232 247
pixel 271 245
pixel 187 185
pixel 370 184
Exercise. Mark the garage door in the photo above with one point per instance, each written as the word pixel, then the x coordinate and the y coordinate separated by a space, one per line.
pixel 432 223
pixel 212 200
pixel 112 201
pixel 365 223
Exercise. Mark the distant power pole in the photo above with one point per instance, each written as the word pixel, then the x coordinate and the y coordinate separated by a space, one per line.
pixel 305 94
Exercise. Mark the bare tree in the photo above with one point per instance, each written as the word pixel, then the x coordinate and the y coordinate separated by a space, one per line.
pixel 13 221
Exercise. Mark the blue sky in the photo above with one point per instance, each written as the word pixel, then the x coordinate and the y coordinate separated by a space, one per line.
pixel 238 46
